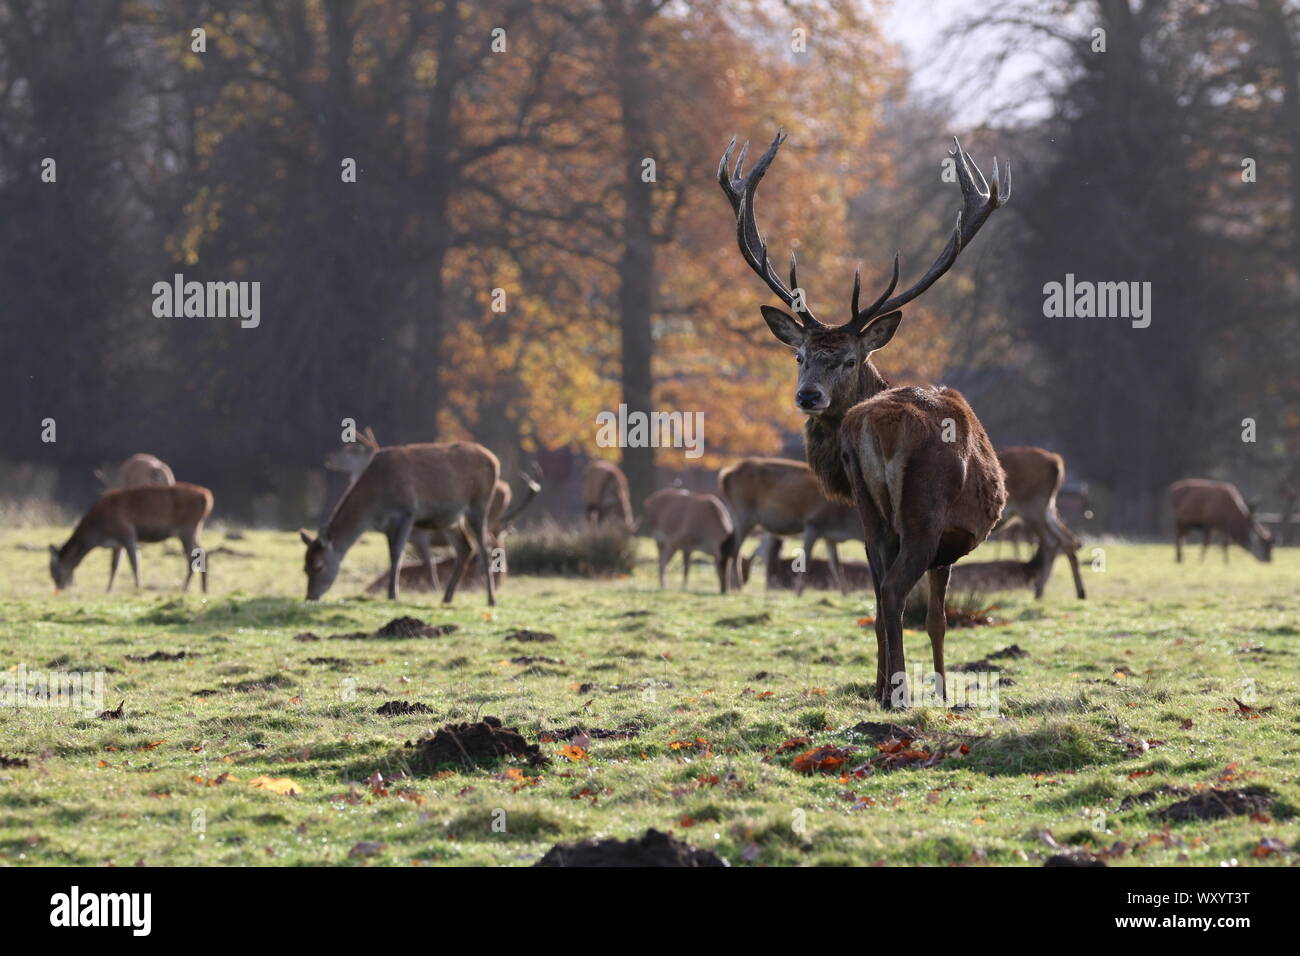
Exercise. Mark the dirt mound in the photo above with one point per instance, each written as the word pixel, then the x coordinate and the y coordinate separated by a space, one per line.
pixel 1013 653
pixel 653 849
pixel 402 708
pixel 10 763
pixel 483 742
pixel 1074 858
pixel 882 732
pixel 413 627
pixel 156 656
pixel 306 636
pixel 595 733
pixel 1147 797
pixel 1215 804
pixel 524 634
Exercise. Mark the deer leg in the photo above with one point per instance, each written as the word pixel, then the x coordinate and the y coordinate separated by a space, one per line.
pixel 132 555
pixel 901 577
pixel 809 542
pixel 187 551
pixel 742 532
pixel 936 624
pixel 424 548
pixel 686 567
pixel 1068 543
pixel 1205 543
pixel 1179 532
pixel 772 558
pixel 1038 527
pixel 460 544
pixel 396 548
pixel 837 572
pixel 664 556
pixel 721 563
pixel 112 568
pixel 482 537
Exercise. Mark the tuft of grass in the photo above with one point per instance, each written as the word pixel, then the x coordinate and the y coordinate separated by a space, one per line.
pixel 553 549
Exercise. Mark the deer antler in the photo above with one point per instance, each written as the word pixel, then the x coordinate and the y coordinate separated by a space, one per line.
pixel 739 189
pixel 978 203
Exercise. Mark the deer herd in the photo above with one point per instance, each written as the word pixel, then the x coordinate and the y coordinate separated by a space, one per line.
pixel 907 470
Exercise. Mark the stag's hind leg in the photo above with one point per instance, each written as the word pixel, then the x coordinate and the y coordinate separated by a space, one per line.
pixel 112 567
pixel 936 624
pixel 397 538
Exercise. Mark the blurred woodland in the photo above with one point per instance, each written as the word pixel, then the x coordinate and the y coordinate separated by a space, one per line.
pixel 523 170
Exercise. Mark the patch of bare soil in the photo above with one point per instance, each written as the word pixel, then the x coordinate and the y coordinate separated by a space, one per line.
pixel 402 708
pixel 879 733
pixel 1012 653
pixel 652 849
pixel 595 733
pixel 1214 804
pixel 524 634
pixel 535 659
pixel 10 763
pixel 156 656
pixel 306 636
pixel 485 741
pixel 744 620
pixel 116 714
pixel 330 661
pixel 1074 858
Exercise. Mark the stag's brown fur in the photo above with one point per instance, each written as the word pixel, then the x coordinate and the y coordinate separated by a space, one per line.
pixel 688 521
pixel 433 487
pixel 124 518
pixel 1198 503
pixel 605 494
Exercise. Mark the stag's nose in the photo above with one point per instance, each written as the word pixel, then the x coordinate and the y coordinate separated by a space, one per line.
pixel 808 398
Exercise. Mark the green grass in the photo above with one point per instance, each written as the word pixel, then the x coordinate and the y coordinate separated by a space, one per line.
pixel 681 667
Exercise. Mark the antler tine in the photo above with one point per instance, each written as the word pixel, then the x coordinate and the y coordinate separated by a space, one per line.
pixel 860 316
pixel 739 189
pixel 978 203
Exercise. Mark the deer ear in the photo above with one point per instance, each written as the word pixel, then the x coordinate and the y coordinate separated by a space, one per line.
pixel 307 539
pixel 878 333
pixel 784 326
pixel 54 551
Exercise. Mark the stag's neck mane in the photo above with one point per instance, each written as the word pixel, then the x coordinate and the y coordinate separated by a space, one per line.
pixel 822 437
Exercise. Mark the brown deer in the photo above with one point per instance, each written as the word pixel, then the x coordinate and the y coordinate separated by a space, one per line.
pixel 353 458
pixel 138 470
pixel 783 498
pixel 605 494
pixel 915 462
pixel 688 521
pixel 1198 503
pixel 124 518
pixel 791 574
pixel 433 487
pixel 1033 478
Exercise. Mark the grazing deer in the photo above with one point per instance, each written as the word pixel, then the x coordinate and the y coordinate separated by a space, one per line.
pixel 783 498
pixel 433 487
pixel 605 495
pixel 138 470
pixel 915 462
pixel 1216 506
pixel 353 458
pixel 1033 478
pixel 688 521
pixel 124 518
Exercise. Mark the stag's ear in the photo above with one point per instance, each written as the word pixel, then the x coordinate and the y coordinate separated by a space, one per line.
pixel 54 551
pixel 307 539
pixel 784 326
pixel 879 331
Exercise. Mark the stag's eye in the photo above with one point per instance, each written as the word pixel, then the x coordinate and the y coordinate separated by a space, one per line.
pixel 798 359
pixel 849 363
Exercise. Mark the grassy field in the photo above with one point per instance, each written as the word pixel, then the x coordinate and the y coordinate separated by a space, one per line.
pixel 1129 692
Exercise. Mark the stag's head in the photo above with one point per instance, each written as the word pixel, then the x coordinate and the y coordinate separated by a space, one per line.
pixel 832 360
pixel 322 563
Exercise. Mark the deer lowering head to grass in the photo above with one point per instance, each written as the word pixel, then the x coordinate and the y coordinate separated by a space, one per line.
pixel 687 521
pixel 605 495
pixel 784 498
pixel 1033 478
pixel 1198 503
pixel 138 470
pixel 352 458
pixel 924 501
pixel 124 518
pixel 446 487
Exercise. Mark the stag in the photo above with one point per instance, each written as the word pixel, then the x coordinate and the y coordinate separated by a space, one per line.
pixel 924 501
